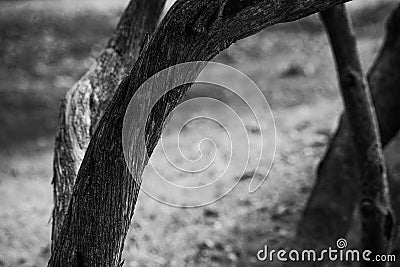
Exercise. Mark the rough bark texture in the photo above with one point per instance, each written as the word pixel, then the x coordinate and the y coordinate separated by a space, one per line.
pixel 105 192
pixel 329 212
pixel 85 102
pixel 376 214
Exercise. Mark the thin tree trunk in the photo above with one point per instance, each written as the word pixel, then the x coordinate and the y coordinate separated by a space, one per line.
pixel 105 192
pixel 376 214
pixel 329 212
pixel 85 102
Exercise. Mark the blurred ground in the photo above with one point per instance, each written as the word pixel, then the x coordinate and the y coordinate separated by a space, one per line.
pixel 46 46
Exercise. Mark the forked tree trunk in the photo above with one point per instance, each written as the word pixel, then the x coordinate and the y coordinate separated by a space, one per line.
pixel 105 192
pixel 329 212
pixel 376 213
pixel 85 102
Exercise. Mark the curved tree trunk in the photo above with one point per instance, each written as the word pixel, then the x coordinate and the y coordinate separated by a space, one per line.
pixel 329 212
pixel 105 192
pixel 85 102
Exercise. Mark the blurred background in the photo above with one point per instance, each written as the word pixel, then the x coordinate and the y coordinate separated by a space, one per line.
pixel 46 46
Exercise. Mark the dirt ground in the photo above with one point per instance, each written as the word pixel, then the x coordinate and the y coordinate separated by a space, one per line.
pixel 45 47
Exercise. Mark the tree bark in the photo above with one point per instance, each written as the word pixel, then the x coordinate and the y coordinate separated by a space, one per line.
pixel 85 102
pixel 105 192
pixel 329 212
pixel 376 213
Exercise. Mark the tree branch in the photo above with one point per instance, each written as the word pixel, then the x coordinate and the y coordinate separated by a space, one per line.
pixel 376 214
pixel 329 212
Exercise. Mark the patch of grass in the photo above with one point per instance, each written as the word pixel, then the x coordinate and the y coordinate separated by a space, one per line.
pixel 42 53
